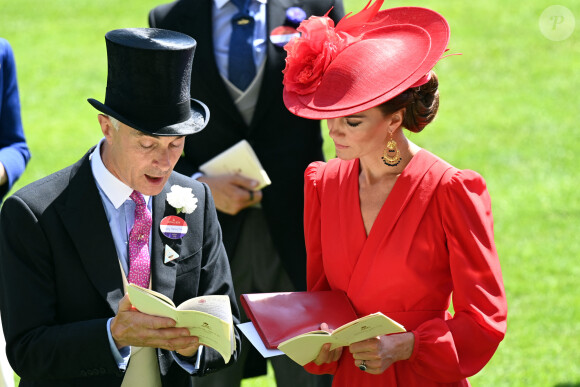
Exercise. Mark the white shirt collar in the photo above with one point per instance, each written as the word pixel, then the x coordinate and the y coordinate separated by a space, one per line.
pixel 117 191
pixel 221 3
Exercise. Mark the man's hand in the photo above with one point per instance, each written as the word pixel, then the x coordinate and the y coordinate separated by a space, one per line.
pixel 131 327
pixel 232 193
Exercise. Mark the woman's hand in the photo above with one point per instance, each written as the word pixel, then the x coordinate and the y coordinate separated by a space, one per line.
pixel 380 352
pixel 326 355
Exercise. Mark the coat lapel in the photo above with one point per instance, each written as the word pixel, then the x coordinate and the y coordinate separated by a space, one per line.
pixel 84 218
pixel 163 275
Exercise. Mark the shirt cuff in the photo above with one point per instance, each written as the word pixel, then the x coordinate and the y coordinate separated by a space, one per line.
pixel 121 355
pixel 186 365
pixel 197 175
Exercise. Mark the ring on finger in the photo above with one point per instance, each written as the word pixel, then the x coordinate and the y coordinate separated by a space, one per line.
pixel 363 366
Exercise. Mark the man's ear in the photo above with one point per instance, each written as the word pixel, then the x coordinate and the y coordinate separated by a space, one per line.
pixel 106 126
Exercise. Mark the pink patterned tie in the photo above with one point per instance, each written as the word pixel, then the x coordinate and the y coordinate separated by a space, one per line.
pixel 139 261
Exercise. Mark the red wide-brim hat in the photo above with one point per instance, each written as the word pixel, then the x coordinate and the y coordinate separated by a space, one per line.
pixel 367 59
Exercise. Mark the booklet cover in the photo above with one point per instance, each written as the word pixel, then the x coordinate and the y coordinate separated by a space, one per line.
pixel 240 159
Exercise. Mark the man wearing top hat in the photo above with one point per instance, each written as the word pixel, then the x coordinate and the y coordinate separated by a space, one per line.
pixel 70 242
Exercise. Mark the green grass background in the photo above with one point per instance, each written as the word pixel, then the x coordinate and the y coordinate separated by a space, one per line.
pixel 509 109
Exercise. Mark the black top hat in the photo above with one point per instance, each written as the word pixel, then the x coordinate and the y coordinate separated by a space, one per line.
pixel 149 80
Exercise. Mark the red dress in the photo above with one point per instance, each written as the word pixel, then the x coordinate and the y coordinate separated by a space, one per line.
pixel 431 243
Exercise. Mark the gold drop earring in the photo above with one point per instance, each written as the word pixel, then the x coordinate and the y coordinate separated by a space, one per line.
pixel 391 155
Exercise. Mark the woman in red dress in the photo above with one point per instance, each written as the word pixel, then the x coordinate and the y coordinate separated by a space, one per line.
pixel 395 227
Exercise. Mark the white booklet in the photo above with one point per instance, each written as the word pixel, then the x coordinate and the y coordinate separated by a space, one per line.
pixel 240 159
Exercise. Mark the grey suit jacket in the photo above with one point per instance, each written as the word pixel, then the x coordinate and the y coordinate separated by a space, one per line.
pixel 60 278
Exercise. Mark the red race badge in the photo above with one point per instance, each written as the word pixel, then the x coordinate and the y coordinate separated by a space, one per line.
pixel 173 227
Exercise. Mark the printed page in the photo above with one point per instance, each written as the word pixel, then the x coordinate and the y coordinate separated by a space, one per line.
pixel 210 318
pixel 212 331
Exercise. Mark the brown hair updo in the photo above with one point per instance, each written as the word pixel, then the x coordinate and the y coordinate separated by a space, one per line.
pixel 421 104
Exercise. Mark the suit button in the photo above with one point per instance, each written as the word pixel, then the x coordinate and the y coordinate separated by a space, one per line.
pixel 83 373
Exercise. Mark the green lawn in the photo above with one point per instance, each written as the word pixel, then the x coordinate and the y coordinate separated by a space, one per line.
pixel 508 110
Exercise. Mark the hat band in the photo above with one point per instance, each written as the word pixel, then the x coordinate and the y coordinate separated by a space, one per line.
pixel 151 116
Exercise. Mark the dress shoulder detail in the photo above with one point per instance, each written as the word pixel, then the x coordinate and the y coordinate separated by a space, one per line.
pixel 463 180
pixel 314 173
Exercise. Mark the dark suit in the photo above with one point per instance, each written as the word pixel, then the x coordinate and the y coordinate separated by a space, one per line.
pixel 284 143
pixel 60 278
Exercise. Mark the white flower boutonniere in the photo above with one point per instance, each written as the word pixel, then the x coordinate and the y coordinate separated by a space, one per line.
pixel 182 199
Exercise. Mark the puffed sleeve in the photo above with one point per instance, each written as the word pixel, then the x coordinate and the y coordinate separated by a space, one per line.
pixel 459 347
pixel 315 276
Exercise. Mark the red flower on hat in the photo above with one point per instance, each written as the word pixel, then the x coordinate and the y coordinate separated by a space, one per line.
pixel 309 55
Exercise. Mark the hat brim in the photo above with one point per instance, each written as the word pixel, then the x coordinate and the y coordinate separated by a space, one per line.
pixel 198 120
pixel 404 46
